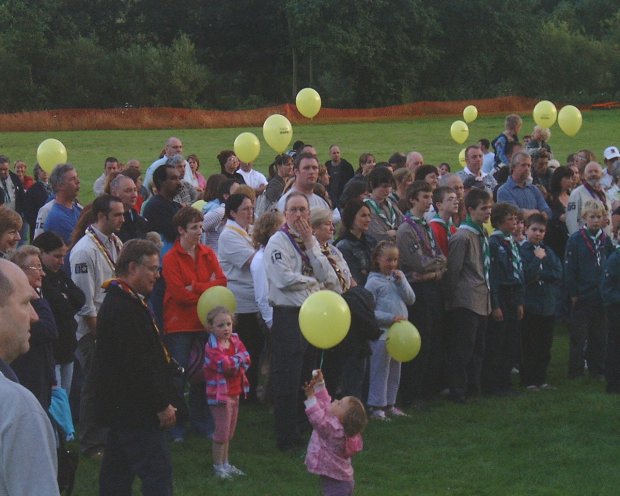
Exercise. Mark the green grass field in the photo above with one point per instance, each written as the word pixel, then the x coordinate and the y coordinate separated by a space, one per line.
pixel 88 149
pixel 559 442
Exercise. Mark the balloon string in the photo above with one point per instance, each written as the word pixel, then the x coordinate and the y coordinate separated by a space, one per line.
pixel 322 356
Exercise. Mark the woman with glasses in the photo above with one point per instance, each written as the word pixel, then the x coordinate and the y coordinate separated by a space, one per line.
pixel 236 251
pixel 35 369
pixel 189 269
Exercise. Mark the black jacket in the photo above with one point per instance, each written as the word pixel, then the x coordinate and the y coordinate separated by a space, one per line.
pixel 159 213
pixel 133 380
pixel 35 369
pixel 20 192
pixel 37 195
pixel 134 227
pixel 65 300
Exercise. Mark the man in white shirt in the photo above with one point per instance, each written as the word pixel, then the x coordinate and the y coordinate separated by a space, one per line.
pixel 110 166
pixel 611 156
pixel 473 159
pixel 172 147
pixel 92 262
pixel 306 170
pixel 252 177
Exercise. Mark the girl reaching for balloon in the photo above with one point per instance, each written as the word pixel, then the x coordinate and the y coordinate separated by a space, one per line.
pixel 336 436
pixel 392 294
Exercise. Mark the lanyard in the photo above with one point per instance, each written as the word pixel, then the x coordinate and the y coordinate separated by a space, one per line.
pixel 107 255
pixel 123 286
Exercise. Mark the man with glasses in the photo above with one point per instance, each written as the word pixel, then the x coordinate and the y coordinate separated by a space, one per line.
pixel 133 372
pixel 92 262
pixel 173 147
pixel 295 268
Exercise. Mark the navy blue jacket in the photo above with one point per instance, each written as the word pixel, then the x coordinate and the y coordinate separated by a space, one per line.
pixel 501 273
pixel 582 271
pixel 610 284
pixel 539 278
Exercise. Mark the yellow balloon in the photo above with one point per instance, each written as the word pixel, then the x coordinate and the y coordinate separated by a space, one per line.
pixel 470 113
pixel 278 132
pixel 217 296
pixel 403 341
pixel 324 319
pixel 50 153
pixel 462 157
pixel 459 132
pixel 308 102
pixel 199 205
pixel 570 120
pixel 247 147
pixel 545 113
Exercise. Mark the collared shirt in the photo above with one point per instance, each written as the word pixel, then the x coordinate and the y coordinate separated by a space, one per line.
pixel 10 190
pixel 528 197
pixel 487 179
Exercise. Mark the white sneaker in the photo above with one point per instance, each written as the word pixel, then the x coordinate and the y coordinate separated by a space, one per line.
pixel 379 414
pixel 394 411
pixel 222 473
pixel 234 471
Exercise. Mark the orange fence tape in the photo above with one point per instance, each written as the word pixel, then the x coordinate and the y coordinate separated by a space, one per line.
pixel 172 118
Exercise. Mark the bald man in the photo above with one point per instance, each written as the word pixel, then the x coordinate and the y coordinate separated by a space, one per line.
pixel 172 147
pixel 28 463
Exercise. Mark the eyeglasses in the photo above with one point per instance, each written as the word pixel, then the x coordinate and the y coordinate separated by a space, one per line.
pixel 34 267
pixel 153 269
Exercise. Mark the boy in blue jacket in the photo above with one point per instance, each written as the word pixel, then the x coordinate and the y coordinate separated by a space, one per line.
pixel 506 286
pixel 541 269
pixel 586 254
pixel 610 291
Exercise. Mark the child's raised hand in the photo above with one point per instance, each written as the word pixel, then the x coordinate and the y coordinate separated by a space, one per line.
pixel 309 389
pixel 317 376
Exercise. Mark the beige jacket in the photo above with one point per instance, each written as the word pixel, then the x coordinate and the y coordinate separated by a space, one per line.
pixel 464 283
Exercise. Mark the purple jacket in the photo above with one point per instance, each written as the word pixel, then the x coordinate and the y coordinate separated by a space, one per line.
pixel 329 450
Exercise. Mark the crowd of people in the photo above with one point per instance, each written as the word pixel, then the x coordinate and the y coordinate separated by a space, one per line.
pixel 483 261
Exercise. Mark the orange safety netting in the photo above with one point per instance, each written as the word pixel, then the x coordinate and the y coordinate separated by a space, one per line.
pixel 173 118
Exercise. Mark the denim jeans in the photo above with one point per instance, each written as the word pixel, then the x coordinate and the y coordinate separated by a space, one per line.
pixel 179 345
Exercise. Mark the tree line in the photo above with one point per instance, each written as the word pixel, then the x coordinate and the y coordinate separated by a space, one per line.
pixel 356 53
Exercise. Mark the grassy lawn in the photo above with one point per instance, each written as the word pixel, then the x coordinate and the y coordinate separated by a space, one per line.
pixel 544 443
pixel 88 149
pixel 547 443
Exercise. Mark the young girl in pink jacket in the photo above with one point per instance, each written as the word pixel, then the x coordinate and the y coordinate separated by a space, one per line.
pixel 336 436
pixel 226 361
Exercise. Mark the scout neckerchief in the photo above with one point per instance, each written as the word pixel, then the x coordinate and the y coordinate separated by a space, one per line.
pixel 325 250
pixel 242 232
pixel 515 256
pixel 594 243
pixel 300 247
pixel 392 221
pixel 424 232
pixel 446 225
pixel 125 288
pixel 106 254
pixel 472 226
pixel 596 194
